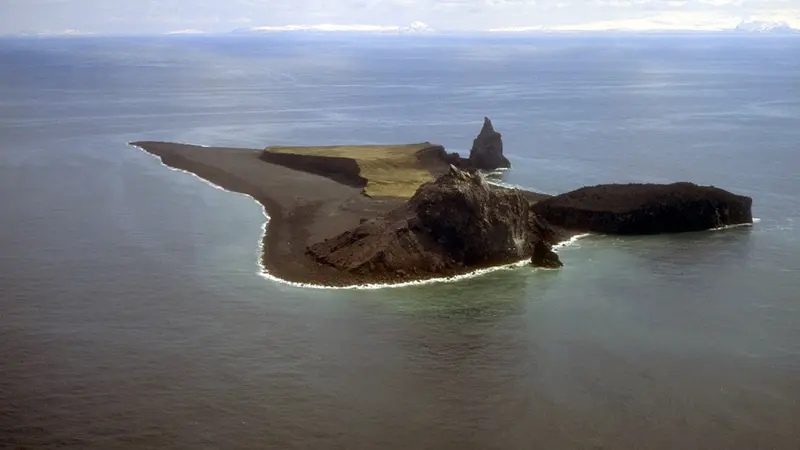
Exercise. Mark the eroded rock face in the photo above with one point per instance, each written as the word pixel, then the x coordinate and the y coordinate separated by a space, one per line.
pixel 646 208
pixel 471 222
pixel 452 224
pixel 487 149
pixel 544 256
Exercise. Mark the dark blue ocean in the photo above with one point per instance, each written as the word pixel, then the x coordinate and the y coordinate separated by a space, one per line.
pixel 132 314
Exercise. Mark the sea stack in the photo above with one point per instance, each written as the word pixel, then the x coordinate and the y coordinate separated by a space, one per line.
pixel 545 257
pixel 487 149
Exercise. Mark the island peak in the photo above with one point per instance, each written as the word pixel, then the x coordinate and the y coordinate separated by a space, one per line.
pixel 487 149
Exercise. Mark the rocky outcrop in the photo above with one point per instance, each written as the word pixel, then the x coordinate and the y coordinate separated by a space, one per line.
pixel 471 222
pixel 544 256
pixel 646 208
pixel 455 223
pixel 487 149
pixel 436 159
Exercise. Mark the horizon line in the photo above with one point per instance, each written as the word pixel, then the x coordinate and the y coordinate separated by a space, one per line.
pixel 790 32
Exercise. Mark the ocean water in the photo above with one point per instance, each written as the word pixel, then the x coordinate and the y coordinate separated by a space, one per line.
pixel 132 314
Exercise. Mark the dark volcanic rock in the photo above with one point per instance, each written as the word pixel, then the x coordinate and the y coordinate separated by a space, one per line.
pixel 471 222
pixel 433 157
pixel 487 149
pixel 343 170
pixel 646 208
pixel 450 225
pixel 544 256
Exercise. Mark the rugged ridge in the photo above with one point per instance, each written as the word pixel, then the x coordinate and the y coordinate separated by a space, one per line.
pixel 646 208
pixel 487 149
pixel 455 223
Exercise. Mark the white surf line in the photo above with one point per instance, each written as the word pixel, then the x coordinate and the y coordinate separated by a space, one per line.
pixel 570 241
pixel 264 273
pixel 503 184
pixel 736 225
pixel 175 169
pixel 497 171
pixel 438 280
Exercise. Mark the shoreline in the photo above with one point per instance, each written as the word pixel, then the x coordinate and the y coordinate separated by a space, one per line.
pixel 269 220
pixel 301 209
pixel 422 282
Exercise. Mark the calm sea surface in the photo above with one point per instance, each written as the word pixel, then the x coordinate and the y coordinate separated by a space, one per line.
pixel 132 314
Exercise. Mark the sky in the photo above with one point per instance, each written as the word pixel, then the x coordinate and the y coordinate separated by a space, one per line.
pixel 164 16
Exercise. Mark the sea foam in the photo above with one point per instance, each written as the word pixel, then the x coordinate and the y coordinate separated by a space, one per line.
pixel 737 225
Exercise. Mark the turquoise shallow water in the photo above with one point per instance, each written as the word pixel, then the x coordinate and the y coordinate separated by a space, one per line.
pixel 132 314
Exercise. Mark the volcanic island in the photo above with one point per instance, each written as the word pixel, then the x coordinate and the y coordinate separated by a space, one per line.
pixel 349 215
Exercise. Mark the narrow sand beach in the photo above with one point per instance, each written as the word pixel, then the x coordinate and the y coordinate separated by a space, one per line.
pixel 303 208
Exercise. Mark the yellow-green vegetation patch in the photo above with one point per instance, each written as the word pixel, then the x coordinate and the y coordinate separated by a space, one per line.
pixel 390 170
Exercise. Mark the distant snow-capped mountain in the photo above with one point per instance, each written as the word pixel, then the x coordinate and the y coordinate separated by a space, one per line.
pixel 68 32
pixel 760 26
pixel 414 28
pixel 418 27
pixel 187 31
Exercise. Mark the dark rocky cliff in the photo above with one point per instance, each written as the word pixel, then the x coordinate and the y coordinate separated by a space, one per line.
pixel 343 170
pixel 646 208
pixel 455 223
